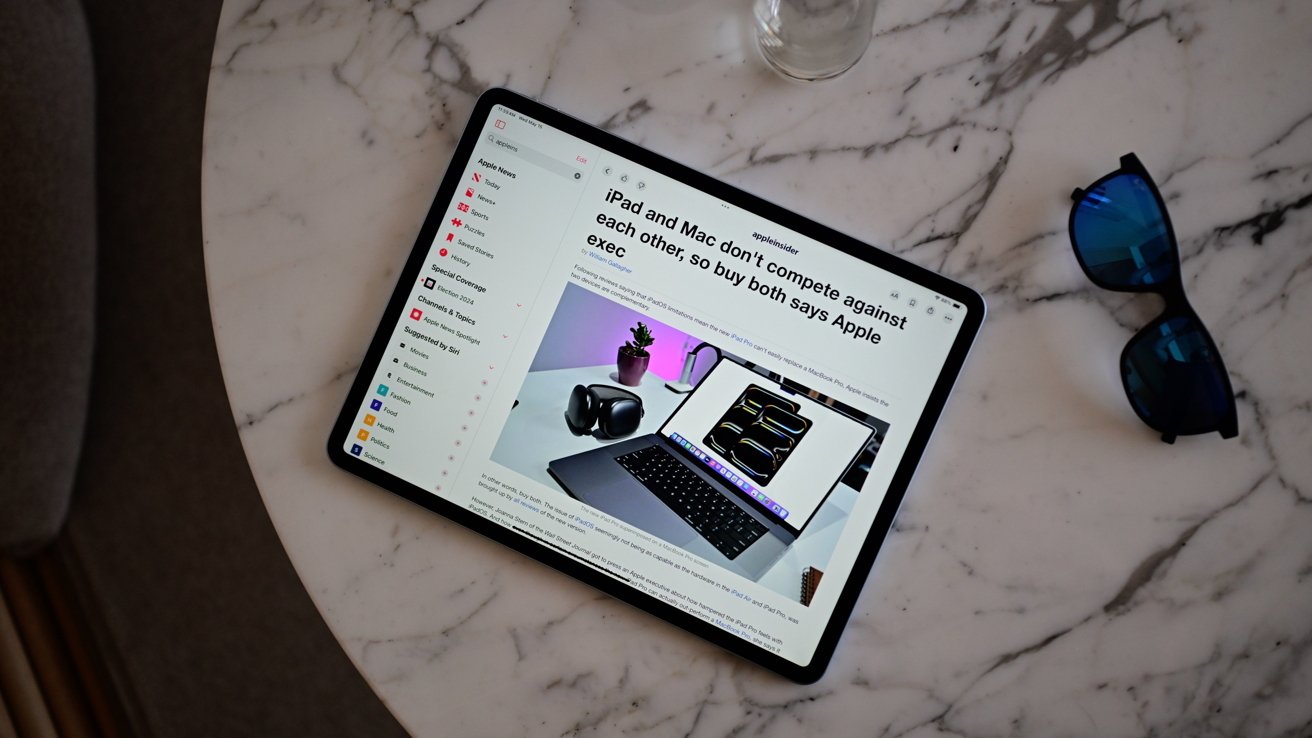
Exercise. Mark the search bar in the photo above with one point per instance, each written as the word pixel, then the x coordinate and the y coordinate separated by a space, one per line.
pixel 532 156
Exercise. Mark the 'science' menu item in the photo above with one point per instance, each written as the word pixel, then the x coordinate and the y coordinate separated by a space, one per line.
pixel 787 382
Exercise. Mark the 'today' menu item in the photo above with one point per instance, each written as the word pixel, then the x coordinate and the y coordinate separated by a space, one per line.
pixel 811 369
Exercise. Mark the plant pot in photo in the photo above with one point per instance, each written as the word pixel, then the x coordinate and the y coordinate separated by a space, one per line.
pixel 633 357
pixel 632 368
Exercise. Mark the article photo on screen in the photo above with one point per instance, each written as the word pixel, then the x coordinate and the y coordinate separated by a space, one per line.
pixel 744 469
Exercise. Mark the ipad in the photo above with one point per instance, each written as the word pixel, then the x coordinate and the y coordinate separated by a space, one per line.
pixel 690 398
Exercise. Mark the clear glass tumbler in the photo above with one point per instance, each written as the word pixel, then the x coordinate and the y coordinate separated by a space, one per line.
pixel 813 39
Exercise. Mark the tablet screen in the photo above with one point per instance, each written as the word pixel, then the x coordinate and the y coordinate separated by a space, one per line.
pixel 783 380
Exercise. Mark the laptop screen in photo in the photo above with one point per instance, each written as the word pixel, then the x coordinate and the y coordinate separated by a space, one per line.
pixel 779 448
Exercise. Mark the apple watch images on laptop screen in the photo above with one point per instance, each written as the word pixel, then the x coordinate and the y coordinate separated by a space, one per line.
pixel 692 399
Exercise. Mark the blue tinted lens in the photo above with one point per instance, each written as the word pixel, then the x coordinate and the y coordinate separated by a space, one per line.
pixel 1175 380
pixel 1119 234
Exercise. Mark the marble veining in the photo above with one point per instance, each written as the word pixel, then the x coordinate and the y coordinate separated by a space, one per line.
pixel 1055 570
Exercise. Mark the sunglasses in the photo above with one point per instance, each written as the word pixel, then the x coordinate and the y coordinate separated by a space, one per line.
pixel 1171 369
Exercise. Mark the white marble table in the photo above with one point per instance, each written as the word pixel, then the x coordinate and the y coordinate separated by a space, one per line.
pixel 1056 570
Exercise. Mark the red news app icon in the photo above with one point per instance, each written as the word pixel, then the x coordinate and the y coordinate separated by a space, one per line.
pixel 416 314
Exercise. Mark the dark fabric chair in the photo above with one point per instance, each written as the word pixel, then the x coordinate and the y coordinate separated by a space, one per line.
pixel 47 262
pixel 114 393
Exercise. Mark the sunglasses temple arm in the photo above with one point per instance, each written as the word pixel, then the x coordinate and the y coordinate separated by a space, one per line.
pixel 1230 428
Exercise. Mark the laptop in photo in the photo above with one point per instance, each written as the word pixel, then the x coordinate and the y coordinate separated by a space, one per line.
pixel 733 476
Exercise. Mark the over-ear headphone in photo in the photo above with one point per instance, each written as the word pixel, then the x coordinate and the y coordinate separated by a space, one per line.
pixel 616 412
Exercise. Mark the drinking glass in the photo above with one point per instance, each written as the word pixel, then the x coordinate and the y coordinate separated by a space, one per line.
pixel 813 39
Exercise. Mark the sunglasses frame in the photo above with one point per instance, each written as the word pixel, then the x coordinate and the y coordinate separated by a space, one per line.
pixel 1171 290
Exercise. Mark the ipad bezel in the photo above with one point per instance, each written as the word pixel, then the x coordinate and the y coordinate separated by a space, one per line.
pixel 565 562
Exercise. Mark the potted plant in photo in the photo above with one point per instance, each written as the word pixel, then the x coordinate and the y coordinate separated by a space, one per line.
pixel 633 357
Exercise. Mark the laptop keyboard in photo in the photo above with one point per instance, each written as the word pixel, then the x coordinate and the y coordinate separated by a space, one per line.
pixel 725 525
